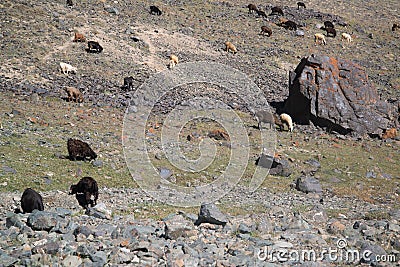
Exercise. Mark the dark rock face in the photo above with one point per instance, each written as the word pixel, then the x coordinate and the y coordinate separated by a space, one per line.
pixel 336 94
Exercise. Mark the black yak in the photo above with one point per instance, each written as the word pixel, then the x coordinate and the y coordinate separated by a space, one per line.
pixel 79 150
pixel 31 200
pixel 88 187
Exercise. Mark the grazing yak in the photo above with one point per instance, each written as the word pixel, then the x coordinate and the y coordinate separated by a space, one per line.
pixel 330 32
pixel 88 187
pixel 286 119
pixel 347 37
pixel 290 25
pixel 79 150
pixel 31 200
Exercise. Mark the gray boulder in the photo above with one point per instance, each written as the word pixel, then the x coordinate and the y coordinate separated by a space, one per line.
pixel 46 221
pixel 336 94
pixel 308 184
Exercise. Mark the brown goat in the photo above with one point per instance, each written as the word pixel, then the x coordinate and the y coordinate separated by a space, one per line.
pixel 276 10
pixel 88 187
pixel 74 94
pixel 79 37
pixel 79 150
pixel 231 47
pixel 267 30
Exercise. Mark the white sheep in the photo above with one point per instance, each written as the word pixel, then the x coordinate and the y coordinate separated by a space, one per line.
pixel 67 68
pixel 347 37
pixel 173 60
pixel 319 37
pixel 285 118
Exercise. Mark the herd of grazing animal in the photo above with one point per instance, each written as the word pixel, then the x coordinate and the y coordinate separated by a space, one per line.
pixel 87 187
pixel 78 150
pixel 84 190
pixel 319 38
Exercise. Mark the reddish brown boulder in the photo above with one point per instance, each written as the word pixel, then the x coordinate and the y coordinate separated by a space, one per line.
pixel 336 94
pixel 390 133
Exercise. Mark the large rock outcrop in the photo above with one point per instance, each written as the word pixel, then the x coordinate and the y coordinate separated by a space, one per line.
pixel 336 94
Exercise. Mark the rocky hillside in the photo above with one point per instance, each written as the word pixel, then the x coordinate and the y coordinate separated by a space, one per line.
pixel 328 191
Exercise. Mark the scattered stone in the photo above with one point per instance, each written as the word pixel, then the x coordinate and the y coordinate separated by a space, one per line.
pixel 43 220
pixel 97 163
pixel 370 252
pixel 9 170
pixel 178 226
pixel 111 10
pixel 370 174
pixel 308 185
pixel 165 173
pixel 280 167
